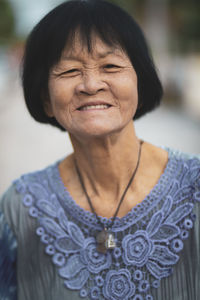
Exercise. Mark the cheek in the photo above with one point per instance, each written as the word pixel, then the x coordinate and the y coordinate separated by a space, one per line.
pixel 126 93
pixel 60 103
pixel 59 97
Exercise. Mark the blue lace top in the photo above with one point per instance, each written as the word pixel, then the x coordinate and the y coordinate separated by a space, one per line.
pixel 48 250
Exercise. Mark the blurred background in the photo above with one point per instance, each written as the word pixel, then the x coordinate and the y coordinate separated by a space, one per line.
pixel 172 28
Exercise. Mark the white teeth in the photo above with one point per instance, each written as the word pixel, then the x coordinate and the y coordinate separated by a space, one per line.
pixel 99 106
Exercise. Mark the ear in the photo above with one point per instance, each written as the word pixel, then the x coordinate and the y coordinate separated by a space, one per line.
pixel 139 104
pixel 48 109
pixel 47 104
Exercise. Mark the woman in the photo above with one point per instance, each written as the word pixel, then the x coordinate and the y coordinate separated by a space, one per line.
pixel 115 219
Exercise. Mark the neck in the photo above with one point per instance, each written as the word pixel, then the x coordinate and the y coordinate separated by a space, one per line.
pixel 106 164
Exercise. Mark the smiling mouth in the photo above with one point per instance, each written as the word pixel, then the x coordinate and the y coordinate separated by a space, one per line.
pixel 94 107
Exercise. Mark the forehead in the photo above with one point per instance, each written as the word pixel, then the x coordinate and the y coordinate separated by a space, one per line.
pixel 78 47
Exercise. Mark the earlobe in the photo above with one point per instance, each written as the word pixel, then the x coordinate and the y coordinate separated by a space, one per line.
pixel 139 105
pixel 48 109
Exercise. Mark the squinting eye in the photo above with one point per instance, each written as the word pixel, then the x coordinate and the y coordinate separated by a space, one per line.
pixel 110 66
pixel 72 71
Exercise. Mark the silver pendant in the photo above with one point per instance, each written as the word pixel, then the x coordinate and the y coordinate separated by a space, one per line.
pixel 105 240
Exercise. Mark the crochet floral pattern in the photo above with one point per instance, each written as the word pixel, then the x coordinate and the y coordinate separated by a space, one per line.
pixel 148 246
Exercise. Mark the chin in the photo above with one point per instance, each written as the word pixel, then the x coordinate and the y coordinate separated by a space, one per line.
pixel 97 132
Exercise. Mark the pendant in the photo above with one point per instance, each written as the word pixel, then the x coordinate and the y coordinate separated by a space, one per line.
pixel 105 240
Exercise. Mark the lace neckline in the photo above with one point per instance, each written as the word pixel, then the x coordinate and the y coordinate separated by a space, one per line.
pixel 149 238
pixel 137 212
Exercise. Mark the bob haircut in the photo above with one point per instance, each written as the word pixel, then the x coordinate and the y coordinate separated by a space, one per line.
pixel 57 29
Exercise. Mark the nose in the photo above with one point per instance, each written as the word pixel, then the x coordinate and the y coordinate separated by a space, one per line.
pixel 91 83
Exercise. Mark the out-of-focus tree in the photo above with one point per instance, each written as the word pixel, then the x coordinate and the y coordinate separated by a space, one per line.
pixel 7 22
pixel 172 28
pixel 133 7
pixel 185 21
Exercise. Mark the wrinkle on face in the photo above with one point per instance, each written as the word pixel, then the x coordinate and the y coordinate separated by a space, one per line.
pixel 81 76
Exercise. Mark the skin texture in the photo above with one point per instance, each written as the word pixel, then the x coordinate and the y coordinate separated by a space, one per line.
pixel 104 76
pixel 104 140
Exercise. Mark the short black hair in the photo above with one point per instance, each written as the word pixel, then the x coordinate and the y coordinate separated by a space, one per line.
pixel 112 24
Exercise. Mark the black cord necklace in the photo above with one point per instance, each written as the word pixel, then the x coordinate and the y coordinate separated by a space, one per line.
pixel 105 239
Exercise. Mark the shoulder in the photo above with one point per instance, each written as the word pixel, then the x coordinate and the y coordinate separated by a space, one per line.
pixel 184 175
pixel 162 151
pixel 179 168
pixel 20 192
pixel 174 164
pixel 183 160
pixel 182 155
pixel 188 164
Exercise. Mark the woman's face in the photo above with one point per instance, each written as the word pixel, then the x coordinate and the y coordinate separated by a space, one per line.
pixel 93 94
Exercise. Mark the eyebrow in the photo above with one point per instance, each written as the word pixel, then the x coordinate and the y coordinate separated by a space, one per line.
pixel 99 55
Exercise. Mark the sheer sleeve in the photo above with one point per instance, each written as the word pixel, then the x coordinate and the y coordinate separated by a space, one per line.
pixel 8 251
